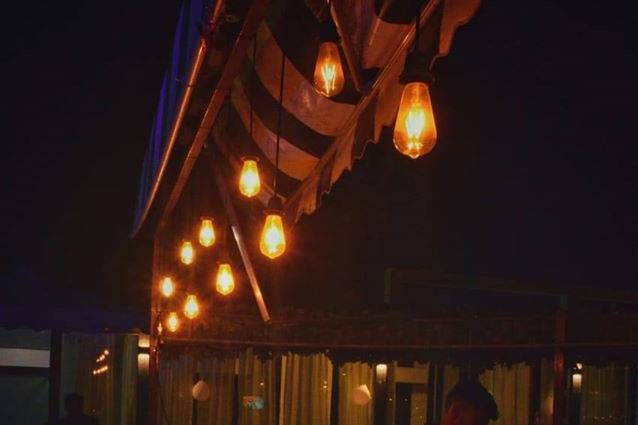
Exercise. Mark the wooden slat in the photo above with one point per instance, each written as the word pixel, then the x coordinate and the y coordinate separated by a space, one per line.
pixel 241 243
pixel 254 17
pixel 351 122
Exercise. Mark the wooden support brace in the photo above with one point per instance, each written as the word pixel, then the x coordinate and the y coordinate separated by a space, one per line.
pixel 241 243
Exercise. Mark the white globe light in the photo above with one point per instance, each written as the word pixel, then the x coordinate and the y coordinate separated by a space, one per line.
pixel 201 391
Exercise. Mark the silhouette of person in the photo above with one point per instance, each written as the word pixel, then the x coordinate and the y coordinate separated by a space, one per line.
pixel 73 404
pixel 469 403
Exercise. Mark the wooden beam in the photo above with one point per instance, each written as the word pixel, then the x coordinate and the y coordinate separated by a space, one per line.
pixel 234 343
pixel 365 100
pixel 55 373
pixel 153 369
pixel 254 16
pixel 181 111
pixel 240 240
pixel 348 51
pixel 417 277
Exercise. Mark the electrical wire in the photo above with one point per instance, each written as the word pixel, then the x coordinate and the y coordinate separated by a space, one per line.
pixel 281 106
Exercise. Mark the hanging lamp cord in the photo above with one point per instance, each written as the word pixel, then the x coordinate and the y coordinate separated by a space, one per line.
pixel 254 84
pixel 281 102
pixel 417 29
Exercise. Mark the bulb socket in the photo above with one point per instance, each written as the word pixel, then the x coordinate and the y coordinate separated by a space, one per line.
pixel 416 68
pixel 328 32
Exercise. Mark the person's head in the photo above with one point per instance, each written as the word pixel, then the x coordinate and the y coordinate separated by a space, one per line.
pixel 73 404
pixel 469 403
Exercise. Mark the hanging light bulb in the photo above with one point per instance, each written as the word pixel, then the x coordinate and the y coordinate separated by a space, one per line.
pixel 167 287
pixel 273 238
pixel 225 281
pixel 206 233
pixel 187 253
pixel 249 181
pixel 328 78
pixel 191 307
pixel 172 322
pixel 415 130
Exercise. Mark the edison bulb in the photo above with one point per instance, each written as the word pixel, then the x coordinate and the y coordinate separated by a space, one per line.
pixel 167 287
pixel 206 233
pixel 273 239
pixel 191 307
pixel 415 129
pixel 225 281
pixel 187 253
pixel 328 77
pixel 172 322
pixel 249 181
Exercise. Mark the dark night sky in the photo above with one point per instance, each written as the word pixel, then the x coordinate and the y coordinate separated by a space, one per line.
pixel 534 176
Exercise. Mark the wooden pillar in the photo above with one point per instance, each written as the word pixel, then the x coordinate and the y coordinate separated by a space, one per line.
pixel 560 398
pixel 334 394
pixel 431 393
pixel 631 404
pixel 535 393
pixel 380 394
pixel 153 382
pixel 55 368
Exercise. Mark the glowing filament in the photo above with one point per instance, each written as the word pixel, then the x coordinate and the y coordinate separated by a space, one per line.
pixel 225 282
pixel 415 130
pixel 207 233
pixel 191 307
pixel 187 253
pixel 328 76
pixel 249 181
pixel 172 322
pixel 273 239
pixel 167 287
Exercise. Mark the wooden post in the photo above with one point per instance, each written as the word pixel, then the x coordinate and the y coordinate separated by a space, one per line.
pixel 380 394
pixel 535 393
pixel 334 395
pixel 559 368
pixel 153 382
pixel 55 365
pixel 240 240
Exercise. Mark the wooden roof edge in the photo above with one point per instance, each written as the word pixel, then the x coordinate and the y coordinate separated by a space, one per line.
pixel 432 279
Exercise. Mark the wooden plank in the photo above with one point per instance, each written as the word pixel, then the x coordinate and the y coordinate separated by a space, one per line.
pixel 235 343
pixel 188 92
pixel 254 17
pixel 348 51
pixel 365 100
pixel 154 355
pixel 55 370
pixel 241 242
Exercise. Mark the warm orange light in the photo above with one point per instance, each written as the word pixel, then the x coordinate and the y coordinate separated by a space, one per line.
pixel 328 77
pixel 273 239
pixel 187 253
pixel 415 130
pixel 207 233
pixel 167 287
pixel 249 181
pixel 172 322
pixel 225 282
pixel 191 307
